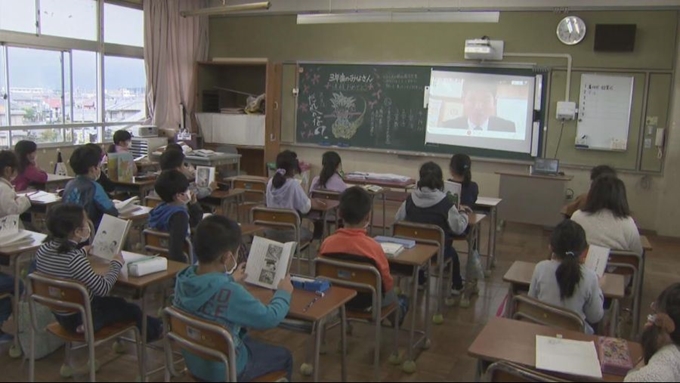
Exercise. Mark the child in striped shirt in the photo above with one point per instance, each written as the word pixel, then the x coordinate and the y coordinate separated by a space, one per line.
pixel 60 257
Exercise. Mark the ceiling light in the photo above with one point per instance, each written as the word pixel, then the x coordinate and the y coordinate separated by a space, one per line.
pixel 225 9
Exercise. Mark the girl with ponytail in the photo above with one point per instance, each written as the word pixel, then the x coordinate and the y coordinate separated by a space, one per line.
pixel 563 281
pixel 330 177
pixel 459 167
pixel 661 340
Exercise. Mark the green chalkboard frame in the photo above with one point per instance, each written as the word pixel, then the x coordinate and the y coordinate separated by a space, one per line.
pixel 414 146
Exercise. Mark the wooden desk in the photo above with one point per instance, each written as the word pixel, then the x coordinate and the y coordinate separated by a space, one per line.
pixel 323 206
pixel 137 287
pixel 489 205
pixel 216 160
pixel 225 199
pixel 139 219
pixel 317 314
pixel 532 199
pixel 54 182
pixel 515 341
pixel 13 255
pixel 520 274
pixel 141 187
pixel 645 243
pixel 250 229
pixel 384 185
pixel 40 206
pixel 415 259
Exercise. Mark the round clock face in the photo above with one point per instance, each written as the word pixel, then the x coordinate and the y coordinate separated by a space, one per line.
pixel 571 30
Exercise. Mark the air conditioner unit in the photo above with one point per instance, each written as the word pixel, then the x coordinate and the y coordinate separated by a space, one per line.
pixel 483 49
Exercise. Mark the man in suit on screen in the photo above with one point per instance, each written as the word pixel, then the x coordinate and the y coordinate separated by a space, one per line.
pixel 479 109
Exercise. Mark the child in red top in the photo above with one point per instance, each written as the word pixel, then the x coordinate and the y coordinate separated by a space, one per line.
pixel 28 172
pixel 352 240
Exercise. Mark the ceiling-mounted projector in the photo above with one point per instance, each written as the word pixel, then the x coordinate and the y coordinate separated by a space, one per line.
pixel 483 49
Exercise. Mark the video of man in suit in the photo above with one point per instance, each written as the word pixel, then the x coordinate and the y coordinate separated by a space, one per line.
pixel 465 108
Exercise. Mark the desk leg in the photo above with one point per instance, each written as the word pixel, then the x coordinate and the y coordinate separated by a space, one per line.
pixel 491 261
pixel 15 350
pixel 384 198
pixel 614 321
pixel 343 340
pixel 145 330
pixel 438 317
pixel 317 347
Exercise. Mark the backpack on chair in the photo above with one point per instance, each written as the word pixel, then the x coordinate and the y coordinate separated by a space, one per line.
pixel 45 343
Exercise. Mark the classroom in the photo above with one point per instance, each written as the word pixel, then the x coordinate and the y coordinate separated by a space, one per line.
pixel 339 190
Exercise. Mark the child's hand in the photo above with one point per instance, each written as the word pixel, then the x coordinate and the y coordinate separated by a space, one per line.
pixel 466 209
pixel 119 258
pixel 87 249
pixel 286 285
pixel 240 273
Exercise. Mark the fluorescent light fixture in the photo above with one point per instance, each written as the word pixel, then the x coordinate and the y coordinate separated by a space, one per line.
pixel 399 17
pixel 226 9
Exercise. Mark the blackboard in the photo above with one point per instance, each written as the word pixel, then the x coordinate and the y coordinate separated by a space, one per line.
pixel 375 107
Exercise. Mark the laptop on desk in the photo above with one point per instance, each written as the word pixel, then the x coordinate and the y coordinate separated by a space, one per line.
pixel 545 167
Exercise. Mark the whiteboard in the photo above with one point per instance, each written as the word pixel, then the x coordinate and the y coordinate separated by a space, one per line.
pixel 604 112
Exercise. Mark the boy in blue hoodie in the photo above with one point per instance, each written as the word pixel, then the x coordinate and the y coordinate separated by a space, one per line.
pixel 173 159
pixel 177 213
pixel 212 290
pixel 84 189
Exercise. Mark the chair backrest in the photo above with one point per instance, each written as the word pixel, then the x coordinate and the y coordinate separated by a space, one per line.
pixel 158 242
pixel 276 218
pixel 626 262
pixel 354 272
pixel 152 201
pixel 325 194
pixel 535 311
pixel 422 233
pixel 503 371
pixel 205 339
pixel 255 189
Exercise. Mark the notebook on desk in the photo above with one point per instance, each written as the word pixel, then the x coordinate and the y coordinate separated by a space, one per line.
pixel 545 167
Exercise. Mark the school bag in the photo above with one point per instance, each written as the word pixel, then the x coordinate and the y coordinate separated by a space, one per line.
pixel 45 343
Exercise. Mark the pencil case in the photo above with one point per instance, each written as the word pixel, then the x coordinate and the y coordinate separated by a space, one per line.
pixel 147 266
pixel 314 285
pixel 614 356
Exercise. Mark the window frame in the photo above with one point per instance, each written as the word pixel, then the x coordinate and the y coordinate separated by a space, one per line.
pixel 65 45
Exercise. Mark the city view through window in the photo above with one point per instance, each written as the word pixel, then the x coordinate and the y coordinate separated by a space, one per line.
pixel 59 96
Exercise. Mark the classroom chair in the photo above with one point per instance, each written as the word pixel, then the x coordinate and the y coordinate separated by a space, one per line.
pixel 631 265
pixel 503 371
pixel 534 311
pixel 68 296
pixel 255 191
pixel 158 242
pixel 431 235
pixel 332 219
pixel 361 274
pixel 206 339
pixel 283 219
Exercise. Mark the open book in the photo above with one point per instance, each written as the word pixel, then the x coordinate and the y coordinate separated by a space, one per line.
pixel 127 206
pixel 391 249
pixel 110 237
pixel 597 259
pixel 205 175
pixel 10 233
pixel 453 189
pixel 567 356
pixel 268 262
pixel 202 153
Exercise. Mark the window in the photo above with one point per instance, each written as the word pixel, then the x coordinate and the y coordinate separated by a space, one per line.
pixel 85 108
pixel 18 15
pixel 124 89
pixel 76 19
pixel 123 25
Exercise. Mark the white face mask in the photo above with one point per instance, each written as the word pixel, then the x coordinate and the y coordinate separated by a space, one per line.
pixel 185 197
pixel 230 272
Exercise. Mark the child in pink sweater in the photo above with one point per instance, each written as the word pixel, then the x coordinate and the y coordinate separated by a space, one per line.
pixel 29 172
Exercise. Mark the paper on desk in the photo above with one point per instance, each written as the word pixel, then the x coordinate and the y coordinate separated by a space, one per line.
pixel 597 259
pixel 567 356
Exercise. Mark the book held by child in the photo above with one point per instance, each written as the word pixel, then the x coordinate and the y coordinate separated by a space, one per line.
pixel 268 262
pixel 110 237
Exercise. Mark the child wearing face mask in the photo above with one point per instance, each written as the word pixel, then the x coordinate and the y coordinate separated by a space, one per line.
pixel 84 190
pixel 212 290
pixel 60 257
pixel 28 171
pixel 177 213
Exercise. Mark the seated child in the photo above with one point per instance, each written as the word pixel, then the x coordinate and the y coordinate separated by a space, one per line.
pixel 213 291
pixel 173 215
pixel 661 340
pixel 174 160
pixel 84 189
pixel 284 192
pixel 122 141
pixel 10 203
pixel 563 281
pixel 60 257
pixel 459 167
pixel 108 185
pixel 29 172
pixel 428 204
pixel 579 202
pixel 330 178
pixel 355 211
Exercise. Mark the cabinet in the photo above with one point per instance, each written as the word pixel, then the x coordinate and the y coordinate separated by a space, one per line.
pixel 226 83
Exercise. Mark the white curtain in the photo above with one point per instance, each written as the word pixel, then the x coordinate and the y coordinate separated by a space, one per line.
pixel 172 45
